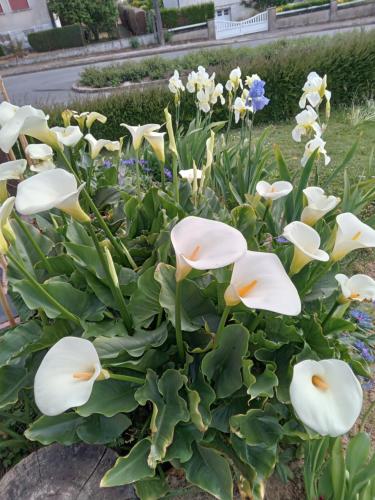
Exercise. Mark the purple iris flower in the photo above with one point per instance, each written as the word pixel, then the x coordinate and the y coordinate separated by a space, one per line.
pixel 258 99
pixel 147 170
pixel 168 173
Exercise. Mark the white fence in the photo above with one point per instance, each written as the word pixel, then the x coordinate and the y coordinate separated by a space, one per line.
pixel 229 29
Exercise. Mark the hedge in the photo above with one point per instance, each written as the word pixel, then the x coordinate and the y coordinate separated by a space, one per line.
pixel 58 38
pixel 284 66
pixel 173 18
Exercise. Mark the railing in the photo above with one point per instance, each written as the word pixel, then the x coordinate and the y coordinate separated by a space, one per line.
pixel 229 29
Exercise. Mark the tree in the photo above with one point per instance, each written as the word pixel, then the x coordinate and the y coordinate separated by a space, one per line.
pixel 98 15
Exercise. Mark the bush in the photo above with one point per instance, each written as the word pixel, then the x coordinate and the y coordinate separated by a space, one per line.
pixel 283 65
pixel 57 38
pixel 134 20
pixel 172 18
pixel 2 51
pixel 301 5
pixel 134 43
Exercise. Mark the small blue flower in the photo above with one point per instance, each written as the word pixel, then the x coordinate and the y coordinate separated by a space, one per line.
pixel 281 239
pixel 367 383
pixel 168 173
pixel 364 319
pixel 365 351
pixel 147 170
pixel 143 162
pixel 107 164
pixel 129 161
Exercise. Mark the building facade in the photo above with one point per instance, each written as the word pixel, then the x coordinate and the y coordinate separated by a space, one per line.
pixel 20 17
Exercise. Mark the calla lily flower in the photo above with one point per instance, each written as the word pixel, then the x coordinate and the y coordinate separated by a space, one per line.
pixel 97 146
pixel 6 231
pixel 172 143
pixel 28 121
pixel 189 174
pixel 41 156
pixel 205 244
pixel 359 287
pixel 138 133
pixel 7 112
pixel 351 234
pixel 315 144
pixel 66 376
pixel 314 90
pixel 10 170
pixel 259 281
pixel 93 117
pixel 67 116
pixel 306 243
pixel 50 189
pixel 273 191
pixel 156 140
pixel 326 396
pixel 306 121
pixel 318 205
pixel 69 136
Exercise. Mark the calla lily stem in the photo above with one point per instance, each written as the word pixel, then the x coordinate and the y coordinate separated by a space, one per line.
pixel 6 307
pixel 179 340
pixel 34 244
pixel 127 378
pixel 138 175
pixel 223 320
pixel 36 284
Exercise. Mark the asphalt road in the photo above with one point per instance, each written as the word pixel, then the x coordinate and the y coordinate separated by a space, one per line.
pixel 54 85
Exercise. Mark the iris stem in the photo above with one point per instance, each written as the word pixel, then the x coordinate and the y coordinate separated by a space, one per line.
pixel 119 248
pixel 116 292
pixel 179 340
pixel 127 378
pixel 34 244
pixel 43 291
pixel 223 320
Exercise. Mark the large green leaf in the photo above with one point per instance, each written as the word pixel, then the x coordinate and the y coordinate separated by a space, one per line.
pixel 12 380
pixel 134 467
pixel 262 384
pixel 357 453
pixel 222 366
pixel 135 345
pixel 262 459
pixel 106 328
pixel 87 257
pixel 14 342
pixel 196 308
pixel 200 397
pixel 338 470
pixel 210 471
pixel 144 303
pixel 151 489
pixel 181 449
pixel 108 398
pixel 169 408
pixel 98 429
pixel 59 429
pixel 257 427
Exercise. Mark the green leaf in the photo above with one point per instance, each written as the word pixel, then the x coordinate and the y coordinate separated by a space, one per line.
pixel 182 447
pixel 222 366
pixel 135 345
pixel 257 428
pixel 244 219
pixel 144 303
pixel 106 328
pixel 313 334
pixel 196 308
pixel 169 408
pixel 263 460
pixel 59 429
pixel 98 429
pixel 264 383
pixel 76 233
pixel 132 468
pixel 108 398
pixel 338 470
pixel 208 470
pixel 306 171
pixel 12 380
pixel 14 342
pixel 221 414
pixel 87 257
pixel 357 453
pixel 200 397
pixel 151 489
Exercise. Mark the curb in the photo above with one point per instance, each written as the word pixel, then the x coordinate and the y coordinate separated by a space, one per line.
pixel 124 86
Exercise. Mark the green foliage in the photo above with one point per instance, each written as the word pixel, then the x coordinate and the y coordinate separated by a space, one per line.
pixel 57 38
pixel 194 14
pixel 2 51
pixel 98 15
pixel 301 5
pixel 134 43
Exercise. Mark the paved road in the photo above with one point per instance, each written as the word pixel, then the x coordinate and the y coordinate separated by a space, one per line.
pixel 54 85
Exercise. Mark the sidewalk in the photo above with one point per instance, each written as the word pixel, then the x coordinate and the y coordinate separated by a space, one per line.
pixel 60 61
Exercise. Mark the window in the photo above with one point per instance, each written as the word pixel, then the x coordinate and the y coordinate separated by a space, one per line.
pixel 219 13
pixel 18 5
pixel 226 12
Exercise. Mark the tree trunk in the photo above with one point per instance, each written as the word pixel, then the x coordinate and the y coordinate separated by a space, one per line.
pixel 159 23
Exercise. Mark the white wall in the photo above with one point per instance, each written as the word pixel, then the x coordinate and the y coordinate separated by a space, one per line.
pixel 238 11
pixel 18 24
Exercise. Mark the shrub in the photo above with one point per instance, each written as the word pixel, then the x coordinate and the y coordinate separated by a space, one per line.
pixel 57 38
pixel 133 19
pixel 301 5
pixel 2 51
pixel 134 43
pixel 172 18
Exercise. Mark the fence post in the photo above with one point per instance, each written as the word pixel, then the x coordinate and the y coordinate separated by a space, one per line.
pixel 211 29
pixel 272 19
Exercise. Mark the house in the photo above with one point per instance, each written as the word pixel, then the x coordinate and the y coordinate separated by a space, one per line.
pixel 225 10
pixel 20 17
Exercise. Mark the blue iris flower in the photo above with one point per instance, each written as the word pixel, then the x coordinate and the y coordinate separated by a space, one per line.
pixel 258 99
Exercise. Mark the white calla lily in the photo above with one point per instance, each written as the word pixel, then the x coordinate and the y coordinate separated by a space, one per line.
pixel 7 112
pixel 351 234
pixel 156 140
pixel 10 170
pixel 205 244
pixel 315 144
pixel 318 205
pixel 42 157
pixel 359 287
pixel 259 281
pixel 138 133
pixel 50 189
pixel 6 231
pixel 314 90
pixel 189 174
pixel 97 145
pixel 306 243
pixel 306 122
pixel 69 136
pixel 273 191
pixel 93 116
pixel 66 376
pixel 28 121
pixel 326 396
